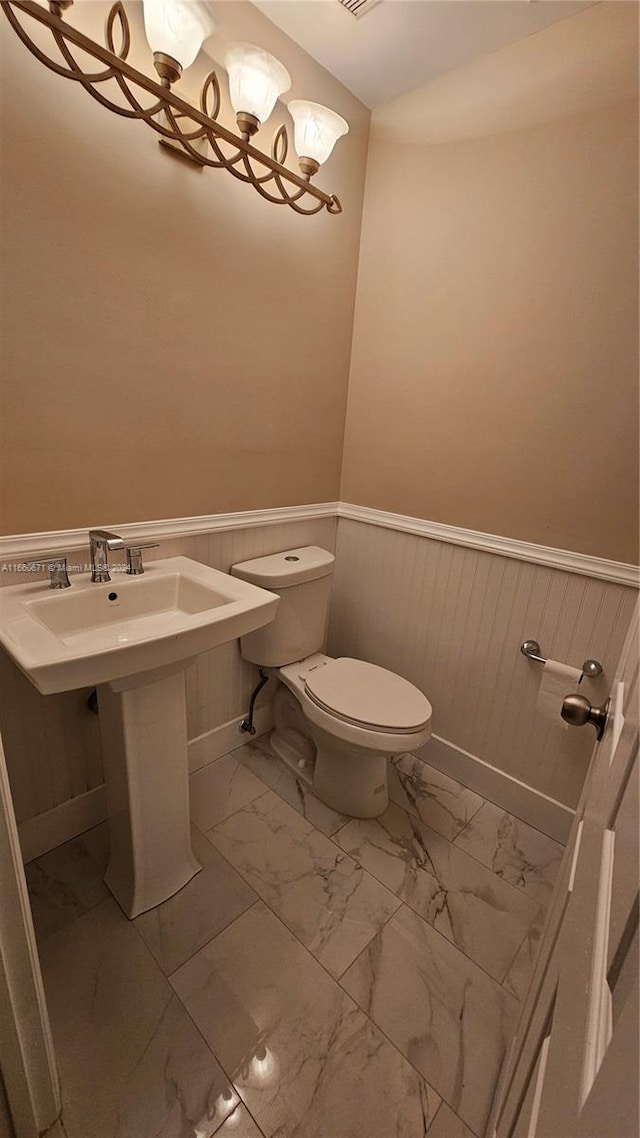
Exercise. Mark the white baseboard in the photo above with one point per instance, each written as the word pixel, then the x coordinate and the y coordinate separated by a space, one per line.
pixel 543 813
pixel 46 831
pixel 214 744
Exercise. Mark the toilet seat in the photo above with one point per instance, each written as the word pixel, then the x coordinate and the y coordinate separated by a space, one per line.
pixel 367 696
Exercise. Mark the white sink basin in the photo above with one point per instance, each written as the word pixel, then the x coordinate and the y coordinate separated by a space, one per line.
pixel 92 633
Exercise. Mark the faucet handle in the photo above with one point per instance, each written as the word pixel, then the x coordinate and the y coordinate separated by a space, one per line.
pixel 134 556
pixel 57 566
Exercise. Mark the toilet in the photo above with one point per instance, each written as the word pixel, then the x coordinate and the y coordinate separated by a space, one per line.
pixel 336 721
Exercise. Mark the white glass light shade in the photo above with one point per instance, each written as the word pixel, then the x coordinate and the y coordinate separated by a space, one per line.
pixel 317 129
pixel 177 28
pixel 256 80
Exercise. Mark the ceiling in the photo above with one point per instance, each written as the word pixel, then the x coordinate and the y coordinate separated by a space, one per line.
pixel 401 45
pixel 574 67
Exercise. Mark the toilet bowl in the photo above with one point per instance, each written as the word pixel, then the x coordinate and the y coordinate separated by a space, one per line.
pixel 337 721
pixel 355 715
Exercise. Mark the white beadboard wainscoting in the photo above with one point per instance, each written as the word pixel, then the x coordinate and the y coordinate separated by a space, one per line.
pixel 445 607
pixel 451 619
pixel 52 743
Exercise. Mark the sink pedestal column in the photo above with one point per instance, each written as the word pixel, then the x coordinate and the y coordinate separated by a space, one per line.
pixel 143 724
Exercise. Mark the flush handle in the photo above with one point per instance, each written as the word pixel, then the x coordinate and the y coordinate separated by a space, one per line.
pixel 577 711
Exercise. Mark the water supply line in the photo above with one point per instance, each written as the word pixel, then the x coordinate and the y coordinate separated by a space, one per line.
pixel 247 724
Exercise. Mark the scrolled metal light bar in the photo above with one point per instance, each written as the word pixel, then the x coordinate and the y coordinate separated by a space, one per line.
pixel 178 122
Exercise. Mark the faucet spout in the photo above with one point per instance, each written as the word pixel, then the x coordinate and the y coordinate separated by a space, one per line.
pixel 101 541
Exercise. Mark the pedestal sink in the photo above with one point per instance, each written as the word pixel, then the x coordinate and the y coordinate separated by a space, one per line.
pixel 133 638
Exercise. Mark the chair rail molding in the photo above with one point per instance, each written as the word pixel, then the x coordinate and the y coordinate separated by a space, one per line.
pixel 56 541
pixel 571 562
pixel 18 546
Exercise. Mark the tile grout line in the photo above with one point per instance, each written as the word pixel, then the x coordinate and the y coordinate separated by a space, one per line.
pixel 408 904
pixel 525 937
pixel 277 761
pixel 433 1120
pixel 232 814
pixel 454 841
pixel 519 891
pixel 240 764
pixel 334 980
pixel 223 1068
pixel 469 820
pixel 172 994
pixel 516 819
pixel 378 1027
pixel 206 1043
pixel 457 1116
pixel 338 981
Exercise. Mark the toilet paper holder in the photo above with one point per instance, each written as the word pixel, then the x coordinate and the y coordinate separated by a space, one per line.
pixel 531 649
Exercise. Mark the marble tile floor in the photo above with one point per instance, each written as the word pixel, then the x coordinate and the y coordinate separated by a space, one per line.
pixel 262 762
pixel 322 977
pixel 514 851
pixel 55 1131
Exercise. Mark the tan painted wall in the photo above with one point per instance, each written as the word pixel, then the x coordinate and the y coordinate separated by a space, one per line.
pixel 173 345
pixel 494 373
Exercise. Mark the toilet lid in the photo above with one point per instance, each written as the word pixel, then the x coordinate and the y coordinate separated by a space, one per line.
pixel 369 695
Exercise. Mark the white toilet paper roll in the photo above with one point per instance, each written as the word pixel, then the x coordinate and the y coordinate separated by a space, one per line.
pixel 558 680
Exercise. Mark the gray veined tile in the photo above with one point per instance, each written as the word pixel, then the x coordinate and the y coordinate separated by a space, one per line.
pixel 221 788
pixel 519 975
pixel 259 759
pixel 447 1016
pixel 55 1131
pixel 447 1125
pixel 515 851
pixel 303 1057
pixel 439 801
pixel 98 844
pixel 239 1124
pixel 201 909
pixel 331 904
pixel 64 884
pixel 131 1062
pixel 462 899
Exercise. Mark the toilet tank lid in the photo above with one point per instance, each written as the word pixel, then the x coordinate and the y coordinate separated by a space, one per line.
pixel 291 567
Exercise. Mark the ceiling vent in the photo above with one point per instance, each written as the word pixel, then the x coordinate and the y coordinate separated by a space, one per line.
pixel 358 8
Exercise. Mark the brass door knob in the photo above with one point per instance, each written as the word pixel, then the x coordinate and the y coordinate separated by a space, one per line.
pixel 577 711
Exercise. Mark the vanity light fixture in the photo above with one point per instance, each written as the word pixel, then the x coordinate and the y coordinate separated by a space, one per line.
pixel 256 81
pixel 317 129
pixel 176 30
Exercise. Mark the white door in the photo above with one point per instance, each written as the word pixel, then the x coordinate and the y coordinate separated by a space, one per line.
pixel 572 1070
pixel 29 1085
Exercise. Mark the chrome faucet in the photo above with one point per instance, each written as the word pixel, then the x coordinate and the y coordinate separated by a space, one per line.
pixel 101 541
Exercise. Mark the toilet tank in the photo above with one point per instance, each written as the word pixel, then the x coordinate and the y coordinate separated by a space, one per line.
pixel 302 580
